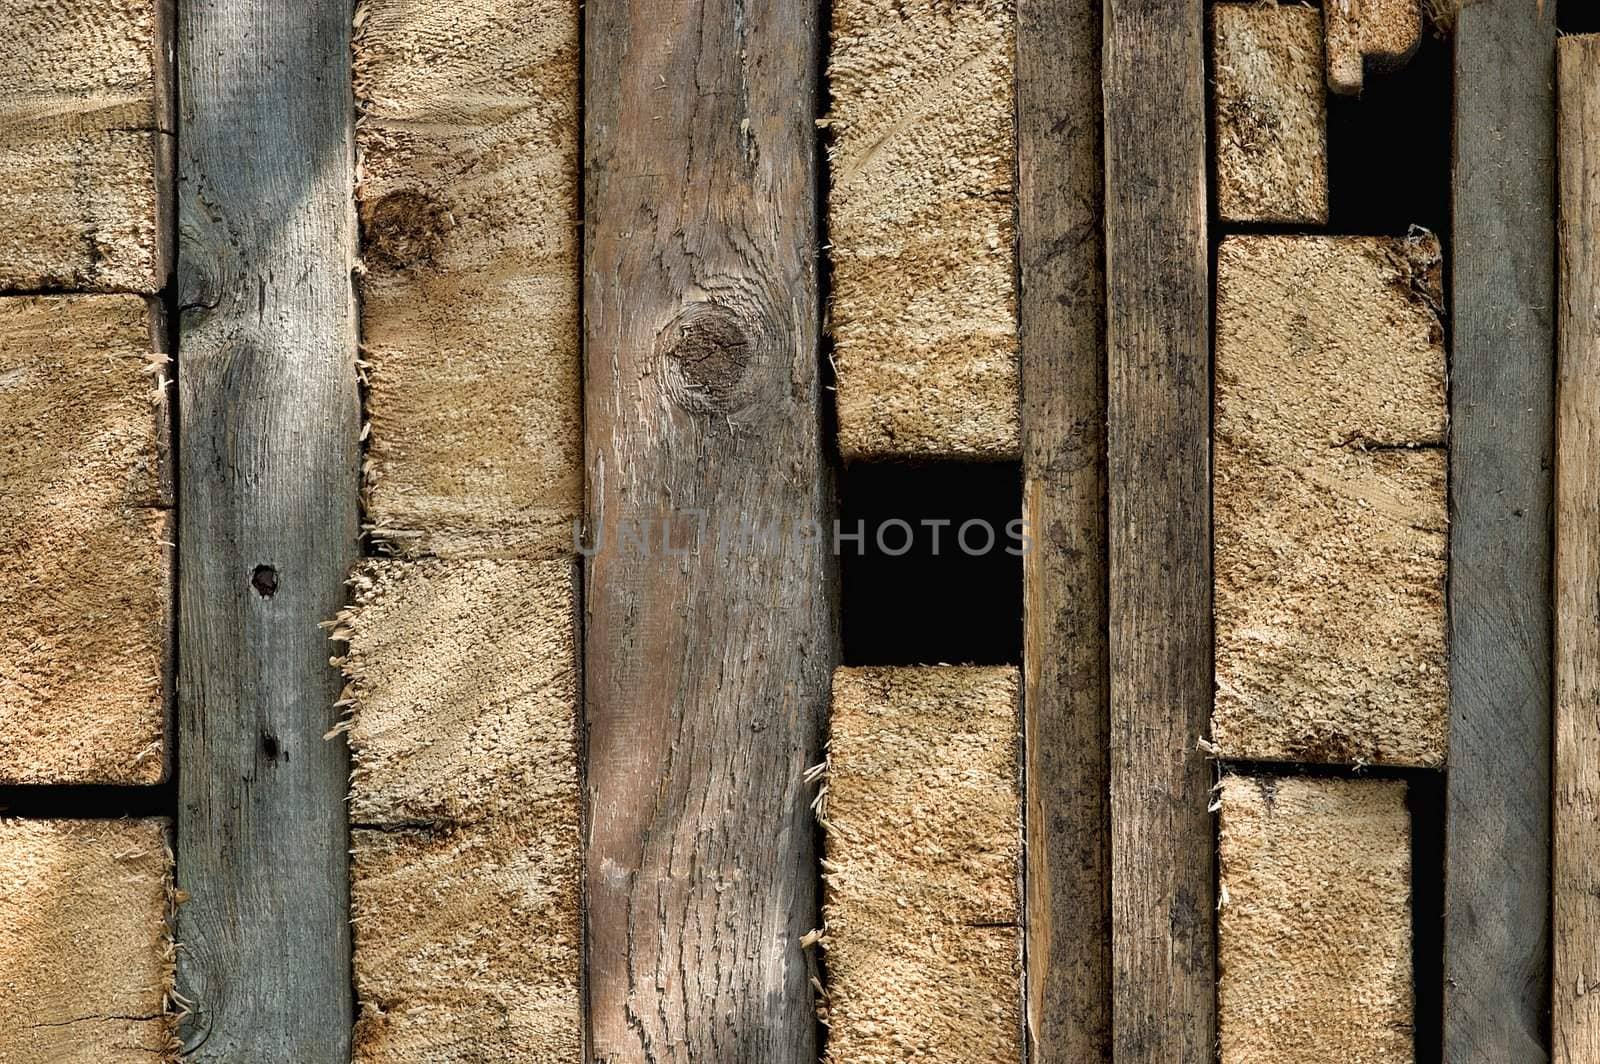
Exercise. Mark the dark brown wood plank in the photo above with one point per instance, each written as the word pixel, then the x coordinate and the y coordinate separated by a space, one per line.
pixel 707 673
pixel 1158 349
pixel 1061 308
pixel 268 478
pixel 1496 921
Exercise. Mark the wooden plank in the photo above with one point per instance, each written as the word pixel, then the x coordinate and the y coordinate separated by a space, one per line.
pixel 86 145
pixel 1370 35
pixel 702 394
pixel 1330 500
pixel 1575 928
pixel 1314 932
pixel 924 848
pixel 85 540
pixel 1502 369
pixel 469 314
pixel 1061 307
pixel 1158 354
pixel 268 461
pixel 83 930
pixel 920 223
pixel 1269 113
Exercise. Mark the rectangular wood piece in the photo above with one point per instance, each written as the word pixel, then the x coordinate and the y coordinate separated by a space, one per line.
pixel 924 844
pixel 1314 932
pixel 1330 501
pixel 920 223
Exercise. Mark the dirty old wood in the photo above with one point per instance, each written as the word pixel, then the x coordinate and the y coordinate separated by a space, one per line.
pixel 268 527
pixel 1159 530
pixel 1575 997
pixel 707 672
pixel 1497 865
pixel 1060 171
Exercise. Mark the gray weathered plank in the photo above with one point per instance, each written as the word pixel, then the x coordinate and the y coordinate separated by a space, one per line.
pixel 1496 948
pixel 707 676
pixel 1158 349
pixel 1061 308
pixel 268 473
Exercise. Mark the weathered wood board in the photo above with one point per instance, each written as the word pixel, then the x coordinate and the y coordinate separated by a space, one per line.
pixel 1330 501
pixel 1497 861
pixel 85 540
pixel 1314 931
pixel 83 930
pixel 923 824
pixel 1269 113
pixel 468 193
pixel 1158 358
pixel 85 145
pixel 1368 35
pixel 920 224
pixel 1575 874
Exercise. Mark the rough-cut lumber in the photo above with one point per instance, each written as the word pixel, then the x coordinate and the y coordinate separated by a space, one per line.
pixel 85 543
pixel 85 145
pixel 920 222
pixel 469 188
pixel 1497 860
pixel 706 681
pixel 1330 500
pixel 268 527
pixel 1314 930
pixel 1158 354
pixel 924 847
pixel 83 934
pixel 1575 991
pixel 1061 318
pixel 462 688
pixel 1368 35
pixel 1270 114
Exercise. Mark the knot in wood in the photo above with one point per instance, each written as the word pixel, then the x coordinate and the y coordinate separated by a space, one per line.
pixel 403 228
pixel 706 354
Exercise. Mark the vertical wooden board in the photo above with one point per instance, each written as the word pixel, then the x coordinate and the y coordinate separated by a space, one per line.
pixel 1269 112
pixel 921 228
pixel 1330 501
pixel 924 848
pixel 706 674
pixel 83 930
pixel 1061 304
pixel 1502 370
pixel 85 541
pixel 1158 348
pixel 1575 1021
pixel 268 527
pixel 85 145
pixel 468 192
pixel 1314 930
pixel 1363 35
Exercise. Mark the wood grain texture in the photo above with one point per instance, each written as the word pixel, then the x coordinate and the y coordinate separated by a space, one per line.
pixel 1369 35
pixel 1502 384
pixel 268 462
pixel 706 673
pixel 1575 927
pixel 85 145
pixel 83 930
pixel 1061 306
pixel 1158 349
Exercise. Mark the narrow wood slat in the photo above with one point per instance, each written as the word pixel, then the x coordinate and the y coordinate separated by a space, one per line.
pixel 268 470
pixel 1502 368
pixel 1159 527
pixel 1061 251
pixel 706 674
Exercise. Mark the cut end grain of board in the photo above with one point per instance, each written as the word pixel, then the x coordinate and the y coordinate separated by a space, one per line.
pixel 922 231
pixel 85 541
pixel 1270 113
pixel 83 933
pixel 924 839
pixel 1330 501
pixel 1362 35
pixel 468 194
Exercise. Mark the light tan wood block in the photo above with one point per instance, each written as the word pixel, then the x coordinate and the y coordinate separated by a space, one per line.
pixel 1368 35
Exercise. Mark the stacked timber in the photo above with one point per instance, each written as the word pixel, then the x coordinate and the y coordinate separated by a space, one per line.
pixel 462 661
